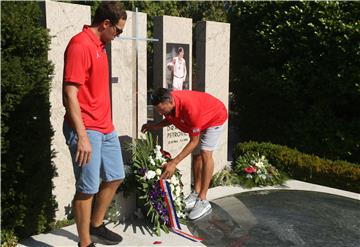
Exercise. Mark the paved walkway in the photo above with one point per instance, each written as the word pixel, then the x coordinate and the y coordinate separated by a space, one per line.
pixel 136 233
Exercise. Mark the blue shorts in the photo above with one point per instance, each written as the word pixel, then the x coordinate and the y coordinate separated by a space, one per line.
pixel 106 159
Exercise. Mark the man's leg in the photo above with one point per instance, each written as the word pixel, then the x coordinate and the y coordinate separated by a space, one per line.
pixel 197 171
pixel 208 143
pixel 112 173
pixel 103 199
pixel 207 172
pixel 202 206
pixel 87 181
pixel 82 210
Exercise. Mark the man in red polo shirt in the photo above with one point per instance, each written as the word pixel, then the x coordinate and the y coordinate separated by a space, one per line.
pixel 203 117
pixel 88 127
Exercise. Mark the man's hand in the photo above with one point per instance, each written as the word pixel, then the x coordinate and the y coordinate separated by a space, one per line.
pixel 147 127
pixel 170 168
pixel 83 151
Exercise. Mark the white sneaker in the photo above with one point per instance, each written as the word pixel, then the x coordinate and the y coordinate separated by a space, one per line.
pixel 191 199
pixel 202 207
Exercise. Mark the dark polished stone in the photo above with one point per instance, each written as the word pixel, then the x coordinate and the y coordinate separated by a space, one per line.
pixel 281 218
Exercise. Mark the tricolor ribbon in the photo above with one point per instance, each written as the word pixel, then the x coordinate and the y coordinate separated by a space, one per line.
pixel 173 218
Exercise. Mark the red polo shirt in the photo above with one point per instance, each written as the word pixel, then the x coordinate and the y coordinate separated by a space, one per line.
pixel 196 111
pixel 86 64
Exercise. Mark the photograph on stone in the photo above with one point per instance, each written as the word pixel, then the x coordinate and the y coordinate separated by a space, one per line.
pixel 177 66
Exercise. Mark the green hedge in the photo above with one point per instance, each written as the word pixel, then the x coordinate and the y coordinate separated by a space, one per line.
pixel 309 168
pixel 27 204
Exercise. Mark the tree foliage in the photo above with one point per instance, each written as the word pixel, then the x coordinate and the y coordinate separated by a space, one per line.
pixel 295 71
pixel 28 206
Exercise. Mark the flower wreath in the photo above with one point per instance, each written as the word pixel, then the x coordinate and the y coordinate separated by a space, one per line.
pixel 147 161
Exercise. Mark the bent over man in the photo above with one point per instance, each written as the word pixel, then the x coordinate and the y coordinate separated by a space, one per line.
pixel 203 117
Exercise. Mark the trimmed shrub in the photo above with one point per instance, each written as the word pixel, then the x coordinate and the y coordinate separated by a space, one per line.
pixel 309 168
pixel 27 204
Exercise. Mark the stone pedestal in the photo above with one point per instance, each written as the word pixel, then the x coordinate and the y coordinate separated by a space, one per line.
pixel 172 32
pixel 128 62
pixel 129 78
pixel 63 20
pixel 212 72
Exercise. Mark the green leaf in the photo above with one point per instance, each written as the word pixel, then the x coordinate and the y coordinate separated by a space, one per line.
pixel 149 211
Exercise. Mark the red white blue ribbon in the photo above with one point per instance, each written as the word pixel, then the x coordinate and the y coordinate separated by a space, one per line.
pixel 186 235
pixel 174 221
pixel 173 218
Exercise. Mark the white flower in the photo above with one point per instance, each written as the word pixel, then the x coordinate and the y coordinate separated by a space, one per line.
pixel 177 191
pixel 259 164
pixel 150 174
pixel 174 180
pixel 249 176
pixel 178 201
pixel 159 157
pixel 181 215
pixel 158 172
pixel 263 176
pixel 228 167
pixel 152 161
pixel 158 154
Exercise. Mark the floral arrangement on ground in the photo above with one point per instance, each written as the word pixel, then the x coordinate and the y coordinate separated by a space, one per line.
pixel 249 170
pixel 146 168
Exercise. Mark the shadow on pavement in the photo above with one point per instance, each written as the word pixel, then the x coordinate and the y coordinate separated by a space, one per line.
pixel 31 242
pixel 140 224
pixel 67 234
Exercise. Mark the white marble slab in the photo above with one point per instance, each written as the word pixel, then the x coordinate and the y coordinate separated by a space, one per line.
pixel 63 20
pixel 212 75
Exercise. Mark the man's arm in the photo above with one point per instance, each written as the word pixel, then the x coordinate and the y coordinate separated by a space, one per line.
pixel 171 64
pixel 149 126
pixel 170 166
pixel 83 151
pixel 185 71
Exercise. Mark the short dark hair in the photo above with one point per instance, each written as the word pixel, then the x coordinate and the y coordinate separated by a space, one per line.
pixel 180 49
pixel 112 11
pixel 160 95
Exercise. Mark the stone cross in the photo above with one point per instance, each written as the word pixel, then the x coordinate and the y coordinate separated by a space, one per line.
pixel 137 39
